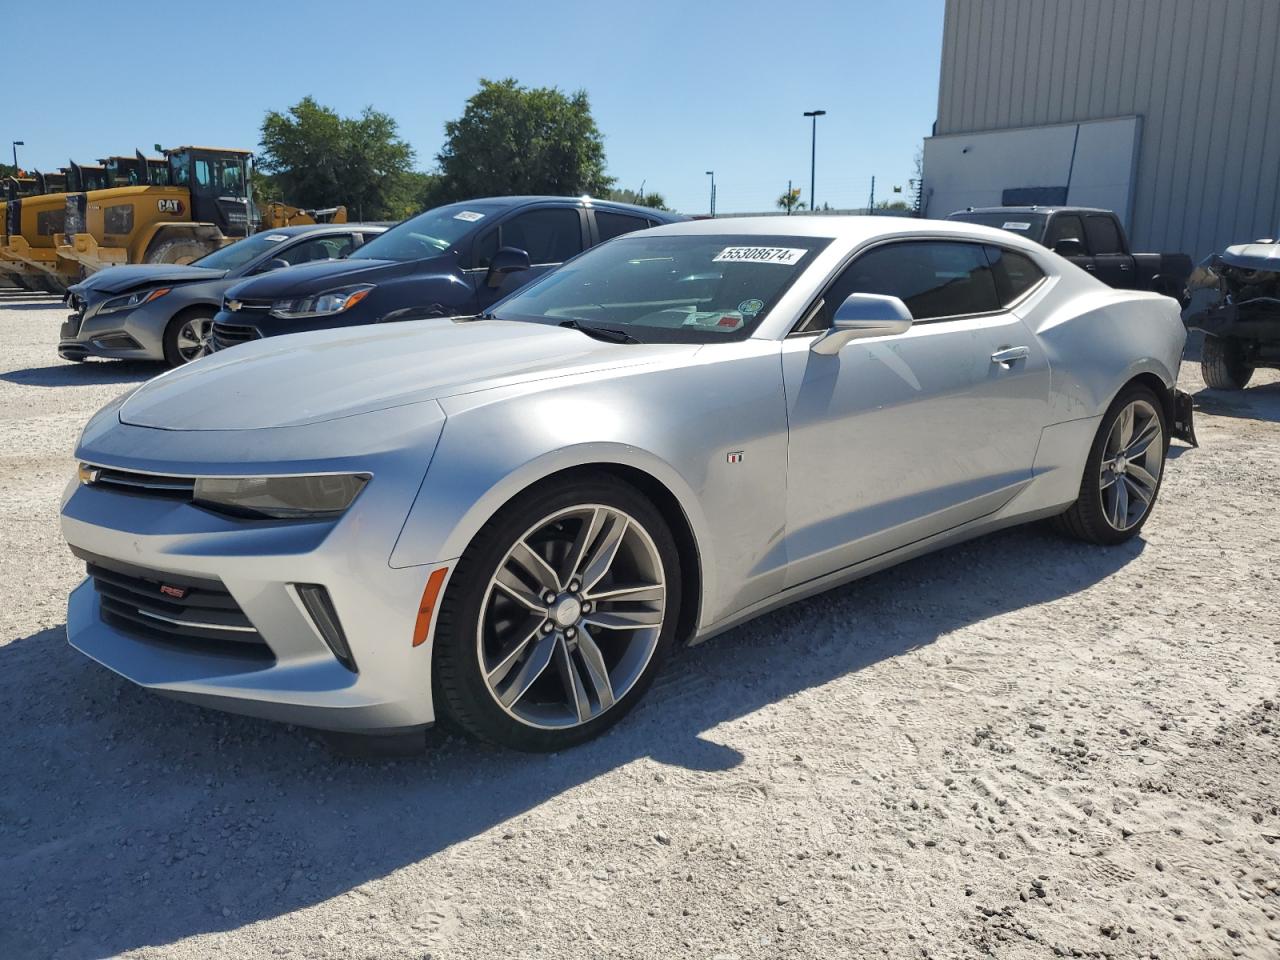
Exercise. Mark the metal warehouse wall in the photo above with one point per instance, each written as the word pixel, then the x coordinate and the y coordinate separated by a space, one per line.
pixel 1204 76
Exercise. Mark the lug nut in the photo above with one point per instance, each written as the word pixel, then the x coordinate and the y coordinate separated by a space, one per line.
pixel 547 627
pixel 586 607
pixel 570 633
pixel 548 597
pixel 574 586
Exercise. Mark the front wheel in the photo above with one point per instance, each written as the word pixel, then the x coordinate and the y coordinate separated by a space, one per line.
pixel 558 615
pixel 1123 473
pixel 1222 364
pixel 186 338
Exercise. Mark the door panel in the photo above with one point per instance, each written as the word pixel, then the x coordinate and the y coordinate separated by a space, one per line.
pixel 896 439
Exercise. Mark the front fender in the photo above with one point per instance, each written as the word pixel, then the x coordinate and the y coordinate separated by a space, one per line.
pixel 713 434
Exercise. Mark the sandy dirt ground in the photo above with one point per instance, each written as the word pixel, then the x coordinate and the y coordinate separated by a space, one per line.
pixel 1021 747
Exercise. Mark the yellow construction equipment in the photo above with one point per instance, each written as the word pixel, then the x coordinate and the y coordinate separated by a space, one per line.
pixel 204 206
pixel 29 254
pixel 276 215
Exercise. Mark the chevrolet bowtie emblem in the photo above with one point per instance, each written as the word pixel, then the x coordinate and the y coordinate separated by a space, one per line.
pixel 233 304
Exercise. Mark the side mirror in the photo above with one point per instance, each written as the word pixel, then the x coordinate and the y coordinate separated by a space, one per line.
pixel 1069 247
pixel 864 315
pixel 506 260
pixel 275 263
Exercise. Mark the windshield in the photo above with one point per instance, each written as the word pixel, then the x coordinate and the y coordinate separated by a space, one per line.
pixel 241 252
pixel 665 289
pixel 1029 225
pixel 428 234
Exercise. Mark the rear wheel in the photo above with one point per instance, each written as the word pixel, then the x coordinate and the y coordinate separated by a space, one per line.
pixel 1123 473
pixel 1222 363
pixel 186 338
pixel 183 250
pixel 558 616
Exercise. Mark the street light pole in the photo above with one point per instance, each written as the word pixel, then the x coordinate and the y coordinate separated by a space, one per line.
pixel 813 154
pixel 16 145
pixel 712 175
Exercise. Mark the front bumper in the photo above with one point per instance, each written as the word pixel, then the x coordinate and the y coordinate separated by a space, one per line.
pixel 231 328
pixel 136 334
pixel 292 675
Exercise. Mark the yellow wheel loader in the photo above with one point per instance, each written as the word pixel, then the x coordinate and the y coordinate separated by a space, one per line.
pixel 28 254
pixel 204 205
pixel 14 268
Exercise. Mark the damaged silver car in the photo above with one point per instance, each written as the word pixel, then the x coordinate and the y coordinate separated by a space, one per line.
pixel 1234 297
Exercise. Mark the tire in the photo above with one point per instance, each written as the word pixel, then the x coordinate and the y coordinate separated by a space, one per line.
pixel 1222 364
pixel 1093 517
pixel 187 328
pixel 488 644
pixel 182 250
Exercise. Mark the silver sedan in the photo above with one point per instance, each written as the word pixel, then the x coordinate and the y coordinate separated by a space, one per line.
pixel 511 519
pixel 162 311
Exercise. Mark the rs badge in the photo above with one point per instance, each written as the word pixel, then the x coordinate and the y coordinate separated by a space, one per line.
pixel 176 592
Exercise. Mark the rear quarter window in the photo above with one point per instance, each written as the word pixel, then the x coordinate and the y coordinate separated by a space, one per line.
pixel 1014 274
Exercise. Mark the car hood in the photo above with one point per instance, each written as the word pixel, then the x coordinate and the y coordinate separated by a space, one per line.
pixel 120 279
pixel 1254 256
pixel 309 278
pixel 313 377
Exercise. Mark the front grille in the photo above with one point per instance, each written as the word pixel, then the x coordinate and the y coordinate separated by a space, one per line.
pixel 246 306
pixel 143 484
pixel 229 334
pixel 195 614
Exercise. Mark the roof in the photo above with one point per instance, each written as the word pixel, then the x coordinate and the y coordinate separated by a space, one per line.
pixel 1034 208
pixel 247 153
pixel 600 204
pixel 826 226
pixel 296 229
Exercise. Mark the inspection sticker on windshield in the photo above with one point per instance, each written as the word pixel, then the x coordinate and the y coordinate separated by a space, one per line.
pixel 275 237
pixel 1015 225
pixel 783 255
pixel 468 215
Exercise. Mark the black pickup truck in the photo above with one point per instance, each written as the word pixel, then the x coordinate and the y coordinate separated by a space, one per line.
pixel 1093 240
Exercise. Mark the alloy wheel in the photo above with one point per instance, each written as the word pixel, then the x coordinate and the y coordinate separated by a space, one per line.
pixel 571 617
pixel 1132 460
pixel 193 338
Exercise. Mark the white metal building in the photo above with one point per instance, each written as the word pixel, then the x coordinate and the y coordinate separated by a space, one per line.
pixel 1166 111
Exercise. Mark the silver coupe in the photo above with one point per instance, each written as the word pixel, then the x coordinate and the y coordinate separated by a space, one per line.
pixel 512 518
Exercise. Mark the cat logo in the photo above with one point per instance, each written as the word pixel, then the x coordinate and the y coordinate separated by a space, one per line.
pixel 170 206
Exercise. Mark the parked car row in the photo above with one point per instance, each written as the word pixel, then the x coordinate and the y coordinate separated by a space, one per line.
pixel 450 261
pixel 510 518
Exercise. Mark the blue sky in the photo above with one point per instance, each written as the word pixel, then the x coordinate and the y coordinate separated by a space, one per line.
pixel 678 87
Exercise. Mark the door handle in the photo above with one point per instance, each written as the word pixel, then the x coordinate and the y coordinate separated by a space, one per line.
pixel 1124 266
pixel 1090 267
pixel 1007 355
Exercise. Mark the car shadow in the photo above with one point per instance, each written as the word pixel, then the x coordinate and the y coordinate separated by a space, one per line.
pixel 1252 403
pixel 84 374
pixel 128 820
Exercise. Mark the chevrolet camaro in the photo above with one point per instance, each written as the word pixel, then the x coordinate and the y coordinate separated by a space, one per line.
pixel 511 518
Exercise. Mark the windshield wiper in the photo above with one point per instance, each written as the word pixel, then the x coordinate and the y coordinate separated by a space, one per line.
pixel 609 334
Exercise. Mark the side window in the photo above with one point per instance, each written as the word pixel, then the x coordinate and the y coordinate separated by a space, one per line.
pixel 610 225
pixel 1014 273
pixel 1103 233
pixel 1066 226
pixel 202 173
pixel 550 235
pixel 318 248
pixel 933 278
pixel 485 248
pixel 117 218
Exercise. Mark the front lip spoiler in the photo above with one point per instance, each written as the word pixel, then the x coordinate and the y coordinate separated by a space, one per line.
pixel 1183 418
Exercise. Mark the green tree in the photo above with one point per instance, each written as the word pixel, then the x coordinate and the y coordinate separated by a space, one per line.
pixel 647 199
pixel 790 200
pixel 514 140
pixel 316 158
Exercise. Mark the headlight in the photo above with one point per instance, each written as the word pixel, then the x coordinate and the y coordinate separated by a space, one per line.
pixel 280 498
pixel 131 300
pixel 322 304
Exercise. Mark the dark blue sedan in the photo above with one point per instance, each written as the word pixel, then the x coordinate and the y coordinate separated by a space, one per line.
pixel 454 260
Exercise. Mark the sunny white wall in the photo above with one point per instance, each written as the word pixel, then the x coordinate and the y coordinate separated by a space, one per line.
pixel 1094 160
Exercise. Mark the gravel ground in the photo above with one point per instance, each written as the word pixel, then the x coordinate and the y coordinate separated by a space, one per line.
pixel 1021 747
